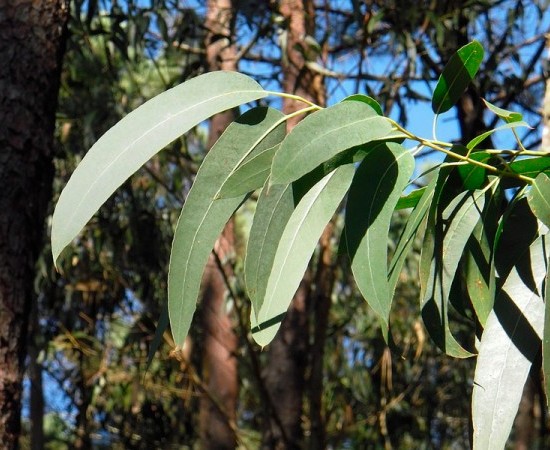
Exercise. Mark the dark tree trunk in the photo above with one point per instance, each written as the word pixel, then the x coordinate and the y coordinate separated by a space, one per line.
pixel 285 372
pixel 31 45
pixel 218 408
pixel 34 372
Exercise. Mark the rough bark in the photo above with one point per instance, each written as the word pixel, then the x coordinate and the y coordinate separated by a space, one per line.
pixel 218 408
pixel 285 372
pixel 31 45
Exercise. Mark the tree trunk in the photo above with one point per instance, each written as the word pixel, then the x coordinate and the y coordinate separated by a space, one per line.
pixel 31 47
pixel 35 377
pixel 218 408
pixel 285 372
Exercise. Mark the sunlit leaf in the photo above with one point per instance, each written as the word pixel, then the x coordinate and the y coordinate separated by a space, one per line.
pixel 539 198
pixel 507 116
pixel 366 99
pixel 136 138
pixel 546 337
pixel 324 134
pixel 203 217
pixel 508 347
pixel 375 190
pixel 457 74
pixel 295 248
pixel 410 200
pixel 478 139
pixel 250 175
pixel 274 208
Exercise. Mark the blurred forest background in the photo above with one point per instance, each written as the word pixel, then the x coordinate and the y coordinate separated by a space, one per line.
pixel 82 337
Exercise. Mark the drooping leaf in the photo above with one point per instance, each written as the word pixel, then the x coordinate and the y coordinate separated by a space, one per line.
pixel 365 99
pixel 162 326
pixel 508 116
pixel 451 231
pixel 136 138
pixel 410 200
pixel 274 208
pixel 250 175
pixel 473 177
pixel 375 190
pixel 203 215
pixel 295 248
pixel 478 139
pixel 324 134
pixel 539 198
pixel 479 258
pixel 457 74
pixel 531 167
pixel 546 337
pixel 406 239
pixel 508 347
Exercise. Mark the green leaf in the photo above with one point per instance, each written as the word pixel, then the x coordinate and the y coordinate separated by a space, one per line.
pixel 123 149
pixel 274 208
pixel 250 175
pixel 324 134
pixel 411 199
pixel 162 326
pixel 295 248
pixel 457 74
pixel 375 190
pixel 539 198
pixel 508 347
pixel 479 258
pixel 448 232
pixel 546 337
pixel 365 99
pixel 478 139
pixel 473 177
pixel 531 167
pixel 406 239
pixel 508 116
pixel 203 217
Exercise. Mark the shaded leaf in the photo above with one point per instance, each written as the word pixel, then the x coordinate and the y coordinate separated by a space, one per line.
pixel 203 217
pixel 473 177
pixel 123 149
pixel 539 198
pixel 410 200
pixel 451 229
pixel 375 190
pixel 324 134
pixel 508 347
pixel 457 74
pixel 546 338
pixel 295 248
pixel 365 99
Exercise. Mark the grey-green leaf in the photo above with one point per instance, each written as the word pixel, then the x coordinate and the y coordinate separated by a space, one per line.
pixel 295 248
pixel 324 134
pixel 539 198
pixel 137 137
pixel 250 175
pixel 509 345
pixel 451 232
pixel 457 74
pixel 374 193
pixel 203 217
pixel 274 208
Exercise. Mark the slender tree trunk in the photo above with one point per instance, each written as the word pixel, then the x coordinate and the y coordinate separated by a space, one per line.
pixel 218 409
pixel 31 45
pixel 285 372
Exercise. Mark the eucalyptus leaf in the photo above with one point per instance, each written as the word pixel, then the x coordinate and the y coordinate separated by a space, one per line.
pixel 539 198
pixel 203 215
pixel 273 210
pixel 375 190
pixel 411 199
pixel 546 337
pixel 295 248
pixel 457 74
pixel 323 135
pixel 473 177
pixel 365 99
pixel 508 347
pixel 123 149
pixel 508 116
pixel 478 139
